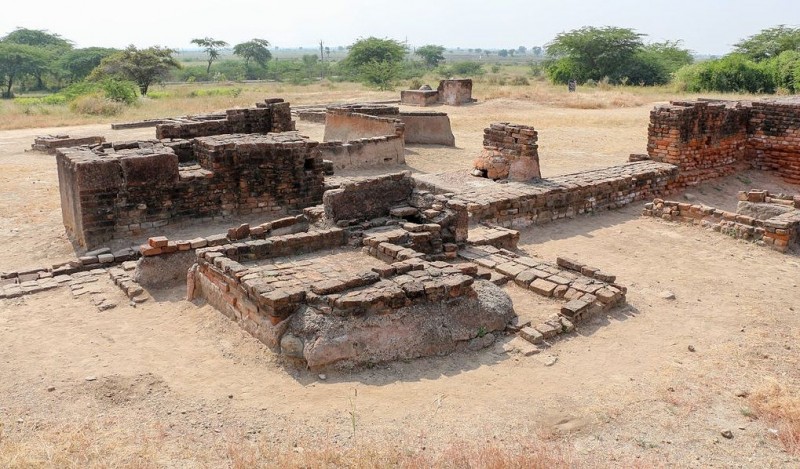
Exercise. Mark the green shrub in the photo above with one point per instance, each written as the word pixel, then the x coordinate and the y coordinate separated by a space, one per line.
pixel 52 100
pixel 730 74
pixel 125 92
pixel 158 94
pixel 467 68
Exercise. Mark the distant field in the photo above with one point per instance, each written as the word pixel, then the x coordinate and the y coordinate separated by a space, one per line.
pixel 198 98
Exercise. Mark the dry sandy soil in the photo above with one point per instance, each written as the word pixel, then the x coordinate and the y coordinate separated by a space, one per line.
pixel 174 384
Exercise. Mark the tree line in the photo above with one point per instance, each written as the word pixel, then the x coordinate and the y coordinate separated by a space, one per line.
pixel 763 63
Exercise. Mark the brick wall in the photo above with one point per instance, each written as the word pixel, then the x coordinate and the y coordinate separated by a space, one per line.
pixel 107 193
pixel 545 200
pixel 708 139
pixel 775 137
pixel 704 139
pixel 778 232
pixel 273 115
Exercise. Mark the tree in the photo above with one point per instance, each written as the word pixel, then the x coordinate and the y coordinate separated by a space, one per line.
pixel 431 54
pixel 256 50
pixel 595 53
pixel 142 66
pixel 79 63
pixel 522 49
pixel 769 43
pixel 18 60
pixel 537 51
pixel 375 61
pixel 502 53
pixel 372 49
pixel 380 74
pixel 211 47
pixel 52 45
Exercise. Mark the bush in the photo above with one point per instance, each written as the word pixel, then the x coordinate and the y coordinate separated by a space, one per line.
pixel 467 68
pixel 125 92
pixel 520 81
pixel 730 74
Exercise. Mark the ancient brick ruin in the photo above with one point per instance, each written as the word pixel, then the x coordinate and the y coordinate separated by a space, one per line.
pixel 767 219
pixel 108 192
pixel 509 152
pixel 450 92
pixel 347 272
pixel 708 139
pixel 50 143
pixel 273 115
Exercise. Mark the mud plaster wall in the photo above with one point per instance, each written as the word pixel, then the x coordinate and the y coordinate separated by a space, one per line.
pixel 347 126
pixel 419 97
pixel 427 128
pixel 455 92
pixel 364 153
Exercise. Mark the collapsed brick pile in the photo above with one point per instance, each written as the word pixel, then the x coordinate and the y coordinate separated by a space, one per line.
pixel 273 115
pixel 586 290
pixel 106 193
pixel 777 232
pixel 509 152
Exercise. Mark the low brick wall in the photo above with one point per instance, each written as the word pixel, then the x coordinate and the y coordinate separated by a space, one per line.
pixel 778 232
pixel 273 115
pixel 49 143
pixel 541 201
pixel 368 198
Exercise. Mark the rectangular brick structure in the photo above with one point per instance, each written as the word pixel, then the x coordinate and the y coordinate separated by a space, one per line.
pixel 107 193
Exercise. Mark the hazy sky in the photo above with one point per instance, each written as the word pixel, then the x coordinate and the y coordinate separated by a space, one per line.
pixel 706 26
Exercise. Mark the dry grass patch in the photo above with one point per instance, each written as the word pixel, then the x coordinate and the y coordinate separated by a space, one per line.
pixel 780 405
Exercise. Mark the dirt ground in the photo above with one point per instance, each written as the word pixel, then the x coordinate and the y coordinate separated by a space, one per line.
pixel 172 384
